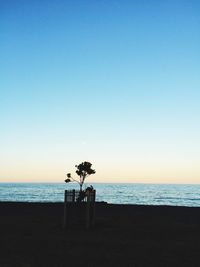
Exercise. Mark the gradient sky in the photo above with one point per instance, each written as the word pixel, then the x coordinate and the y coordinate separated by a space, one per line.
pixel 116 83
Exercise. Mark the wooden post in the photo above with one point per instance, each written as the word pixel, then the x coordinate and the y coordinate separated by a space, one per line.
pixel 93 208
pixel 65 210
pixel 88 209
pixel 73 195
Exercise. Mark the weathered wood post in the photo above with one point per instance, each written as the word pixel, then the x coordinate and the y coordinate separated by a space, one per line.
pixel 73 195
pixel 90 208
pixel 65 210
pixel 69 197
pixel 87 209
pixel 93 208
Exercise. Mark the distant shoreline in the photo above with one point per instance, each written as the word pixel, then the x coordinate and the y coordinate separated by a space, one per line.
pixel 97 203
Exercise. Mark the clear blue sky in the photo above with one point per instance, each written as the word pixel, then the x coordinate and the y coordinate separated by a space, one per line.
pixel 116 83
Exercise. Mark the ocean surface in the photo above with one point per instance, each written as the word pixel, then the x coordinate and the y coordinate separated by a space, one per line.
pixel 143 194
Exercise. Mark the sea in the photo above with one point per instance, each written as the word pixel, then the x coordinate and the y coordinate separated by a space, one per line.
pixel 115 193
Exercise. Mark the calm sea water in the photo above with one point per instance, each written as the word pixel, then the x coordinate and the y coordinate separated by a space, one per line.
pixel 145 194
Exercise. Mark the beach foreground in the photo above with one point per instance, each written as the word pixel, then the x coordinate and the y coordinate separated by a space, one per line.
pixel 31 235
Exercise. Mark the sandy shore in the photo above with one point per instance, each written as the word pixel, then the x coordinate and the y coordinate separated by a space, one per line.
pixel 31 235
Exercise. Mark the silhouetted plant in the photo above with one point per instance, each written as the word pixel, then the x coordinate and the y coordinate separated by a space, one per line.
pixel 83 170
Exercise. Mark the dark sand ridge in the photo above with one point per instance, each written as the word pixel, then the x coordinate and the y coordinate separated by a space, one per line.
pixel 31 235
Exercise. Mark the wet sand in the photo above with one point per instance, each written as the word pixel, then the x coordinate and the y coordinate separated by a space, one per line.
pixel 31 235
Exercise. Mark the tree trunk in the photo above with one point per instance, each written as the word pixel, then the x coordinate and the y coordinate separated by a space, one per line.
pixel 81 186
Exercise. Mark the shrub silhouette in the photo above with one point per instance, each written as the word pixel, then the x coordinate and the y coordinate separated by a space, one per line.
pixel 82 170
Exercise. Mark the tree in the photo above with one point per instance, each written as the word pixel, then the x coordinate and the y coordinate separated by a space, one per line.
pixel 82 170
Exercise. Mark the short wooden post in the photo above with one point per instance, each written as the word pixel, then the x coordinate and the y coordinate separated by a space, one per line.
pixel 73 195
pixel 93 208
pixel 90 208
pixel 65 210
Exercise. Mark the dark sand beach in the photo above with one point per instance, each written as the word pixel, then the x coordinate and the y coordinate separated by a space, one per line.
pixel 31 235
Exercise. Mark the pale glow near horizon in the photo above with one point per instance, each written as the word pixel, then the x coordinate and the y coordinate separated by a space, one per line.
pixel 116 85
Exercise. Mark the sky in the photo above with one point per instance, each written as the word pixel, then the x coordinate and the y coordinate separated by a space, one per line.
pixel 115 83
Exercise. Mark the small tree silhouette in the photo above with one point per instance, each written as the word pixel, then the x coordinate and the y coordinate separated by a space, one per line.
pixel 83 170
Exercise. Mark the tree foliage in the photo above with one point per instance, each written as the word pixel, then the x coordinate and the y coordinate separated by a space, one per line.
pixel 82 170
